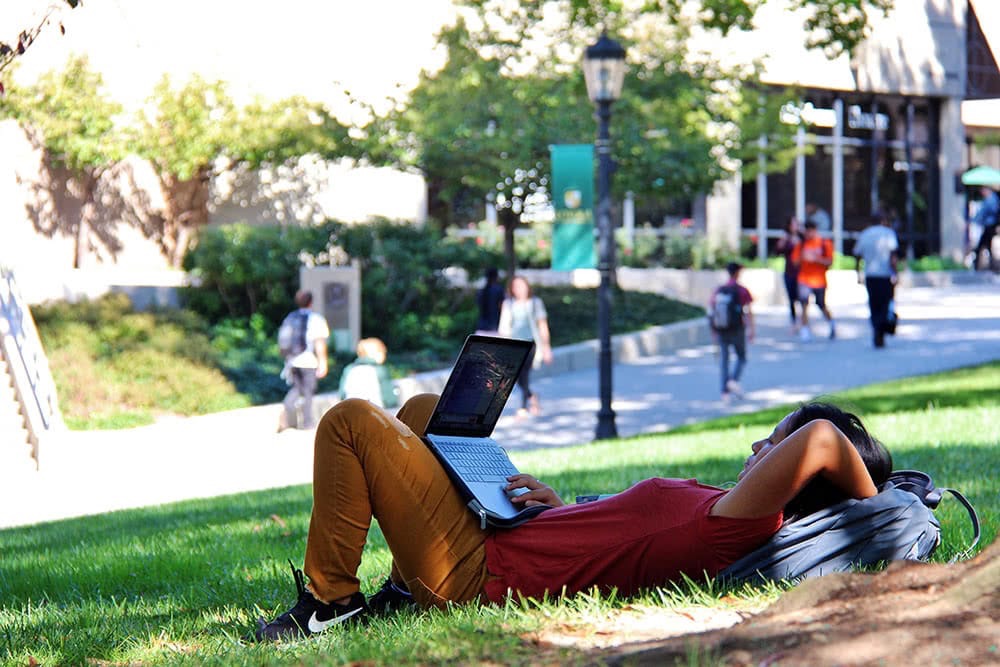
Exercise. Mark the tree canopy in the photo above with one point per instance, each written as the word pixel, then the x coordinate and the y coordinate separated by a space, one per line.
pixel 192 131
pixel 70 116
pixel 482 125
pixel 835 26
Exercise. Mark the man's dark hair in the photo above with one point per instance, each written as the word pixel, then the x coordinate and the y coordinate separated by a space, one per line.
pixel 810 224
pixel 303 298
pixel 819 492
pixel 733 268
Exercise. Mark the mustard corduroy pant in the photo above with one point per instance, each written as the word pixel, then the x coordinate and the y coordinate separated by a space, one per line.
pixel 369 464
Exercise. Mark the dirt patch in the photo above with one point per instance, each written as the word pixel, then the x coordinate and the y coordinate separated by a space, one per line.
pixel 910 614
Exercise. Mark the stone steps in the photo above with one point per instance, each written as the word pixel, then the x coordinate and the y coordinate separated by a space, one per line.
pixel 15 447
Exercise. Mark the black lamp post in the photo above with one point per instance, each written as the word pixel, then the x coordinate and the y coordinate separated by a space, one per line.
pixel 604 72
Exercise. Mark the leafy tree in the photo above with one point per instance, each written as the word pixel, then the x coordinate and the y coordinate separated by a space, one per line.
pixel 836 26
pixel 483 124
pixel 191 133
pixel 472 131
pixel 70 117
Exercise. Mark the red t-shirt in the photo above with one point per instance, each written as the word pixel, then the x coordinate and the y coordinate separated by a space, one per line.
pixel 645 536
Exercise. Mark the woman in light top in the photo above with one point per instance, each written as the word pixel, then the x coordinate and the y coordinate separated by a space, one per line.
pixel 523 316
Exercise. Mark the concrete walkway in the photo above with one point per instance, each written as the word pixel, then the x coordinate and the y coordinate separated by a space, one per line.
pixel 180 458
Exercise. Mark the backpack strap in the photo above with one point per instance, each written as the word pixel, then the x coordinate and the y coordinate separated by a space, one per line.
pixel 975 525
pixel 921 485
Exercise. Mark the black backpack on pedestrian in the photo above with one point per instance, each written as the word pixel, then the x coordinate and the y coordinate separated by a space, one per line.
pixel 898 523
pixel 727 311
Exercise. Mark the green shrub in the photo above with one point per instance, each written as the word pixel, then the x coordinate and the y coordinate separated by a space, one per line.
pixel 241 270
pixel 244 271
pixel 933 263
pixel 115 367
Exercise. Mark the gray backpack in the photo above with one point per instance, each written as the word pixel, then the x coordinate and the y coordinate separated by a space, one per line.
pixel 727 312
pixel 896 524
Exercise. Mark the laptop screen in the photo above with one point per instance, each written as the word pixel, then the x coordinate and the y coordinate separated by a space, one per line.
pixel 479 386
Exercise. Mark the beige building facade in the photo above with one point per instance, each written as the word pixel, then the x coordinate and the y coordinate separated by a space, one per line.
pixel 887 129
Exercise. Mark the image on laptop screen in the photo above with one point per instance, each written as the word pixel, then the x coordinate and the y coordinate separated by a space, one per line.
pixel 479 386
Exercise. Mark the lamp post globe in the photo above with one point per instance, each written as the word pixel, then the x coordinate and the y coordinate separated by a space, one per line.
pixel 604 73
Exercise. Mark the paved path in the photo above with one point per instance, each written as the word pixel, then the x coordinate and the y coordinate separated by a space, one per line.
pixel 179 458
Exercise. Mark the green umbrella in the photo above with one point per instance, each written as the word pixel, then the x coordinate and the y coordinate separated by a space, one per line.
pixel 982 176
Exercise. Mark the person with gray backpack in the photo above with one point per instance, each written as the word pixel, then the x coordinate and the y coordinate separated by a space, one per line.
pixel 302 342
pixel 731 321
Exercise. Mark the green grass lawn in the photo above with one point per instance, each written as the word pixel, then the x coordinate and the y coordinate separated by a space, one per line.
pixel 181 583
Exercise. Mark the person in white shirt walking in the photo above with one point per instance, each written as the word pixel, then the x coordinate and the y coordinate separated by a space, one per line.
pixel 302 339
pixel 877 246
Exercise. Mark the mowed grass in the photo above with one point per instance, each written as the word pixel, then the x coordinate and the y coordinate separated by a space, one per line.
pixel 181 583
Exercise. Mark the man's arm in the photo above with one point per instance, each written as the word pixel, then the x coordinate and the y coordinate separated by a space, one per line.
pixel 322 368
pixel 818 448
pixel 827 255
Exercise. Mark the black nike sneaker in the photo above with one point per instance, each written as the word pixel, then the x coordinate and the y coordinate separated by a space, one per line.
pixel 390 598
pixel 309 616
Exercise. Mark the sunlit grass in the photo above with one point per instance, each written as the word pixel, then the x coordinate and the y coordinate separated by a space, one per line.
pixel 182 583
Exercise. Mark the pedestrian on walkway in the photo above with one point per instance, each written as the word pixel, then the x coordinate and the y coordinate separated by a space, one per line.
pixel 523 316
pixel 731 320
pixel 986 217
pixel 367 376
pixel 489 299
pixel 817 214
pixel 786 246
pixel 302 340
pixel 367 465
pixel 813 257
pixel 877 247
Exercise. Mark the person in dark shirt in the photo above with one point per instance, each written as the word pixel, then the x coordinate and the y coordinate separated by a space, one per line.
pixel 786 246
pixel 986 217
pixel 489 298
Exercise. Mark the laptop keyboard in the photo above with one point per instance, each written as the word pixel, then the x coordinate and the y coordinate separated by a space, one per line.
pixel 476 462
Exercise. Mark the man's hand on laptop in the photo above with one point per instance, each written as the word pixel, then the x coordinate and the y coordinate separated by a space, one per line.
pixel 536 494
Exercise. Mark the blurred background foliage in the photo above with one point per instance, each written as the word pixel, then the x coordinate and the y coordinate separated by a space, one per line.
pixel 115 367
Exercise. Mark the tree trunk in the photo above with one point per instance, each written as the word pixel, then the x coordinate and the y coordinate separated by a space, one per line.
pixel 88 214
pixel 438 209
pixel 185 212
pixel 509 220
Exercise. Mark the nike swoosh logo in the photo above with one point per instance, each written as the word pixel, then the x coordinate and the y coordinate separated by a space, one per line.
pixel 316 625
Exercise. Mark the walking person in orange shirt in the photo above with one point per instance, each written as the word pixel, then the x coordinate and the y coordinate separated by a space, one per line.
pixel 813 256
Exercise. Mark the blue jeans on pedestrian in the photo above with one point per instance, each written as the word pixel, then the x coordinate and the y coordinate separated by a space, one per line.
pixel 737 341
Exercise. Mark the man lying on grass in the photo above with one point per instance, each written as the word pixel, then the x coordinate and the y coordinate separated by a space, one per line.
pixel 367 464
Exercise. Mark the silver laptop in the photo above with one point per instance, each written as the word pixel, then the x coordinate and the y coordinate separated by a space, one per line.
pixel 459 429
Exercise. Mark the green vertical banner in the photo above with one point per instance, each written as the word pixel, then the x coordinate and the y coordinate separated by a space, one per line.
pixel 573 199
